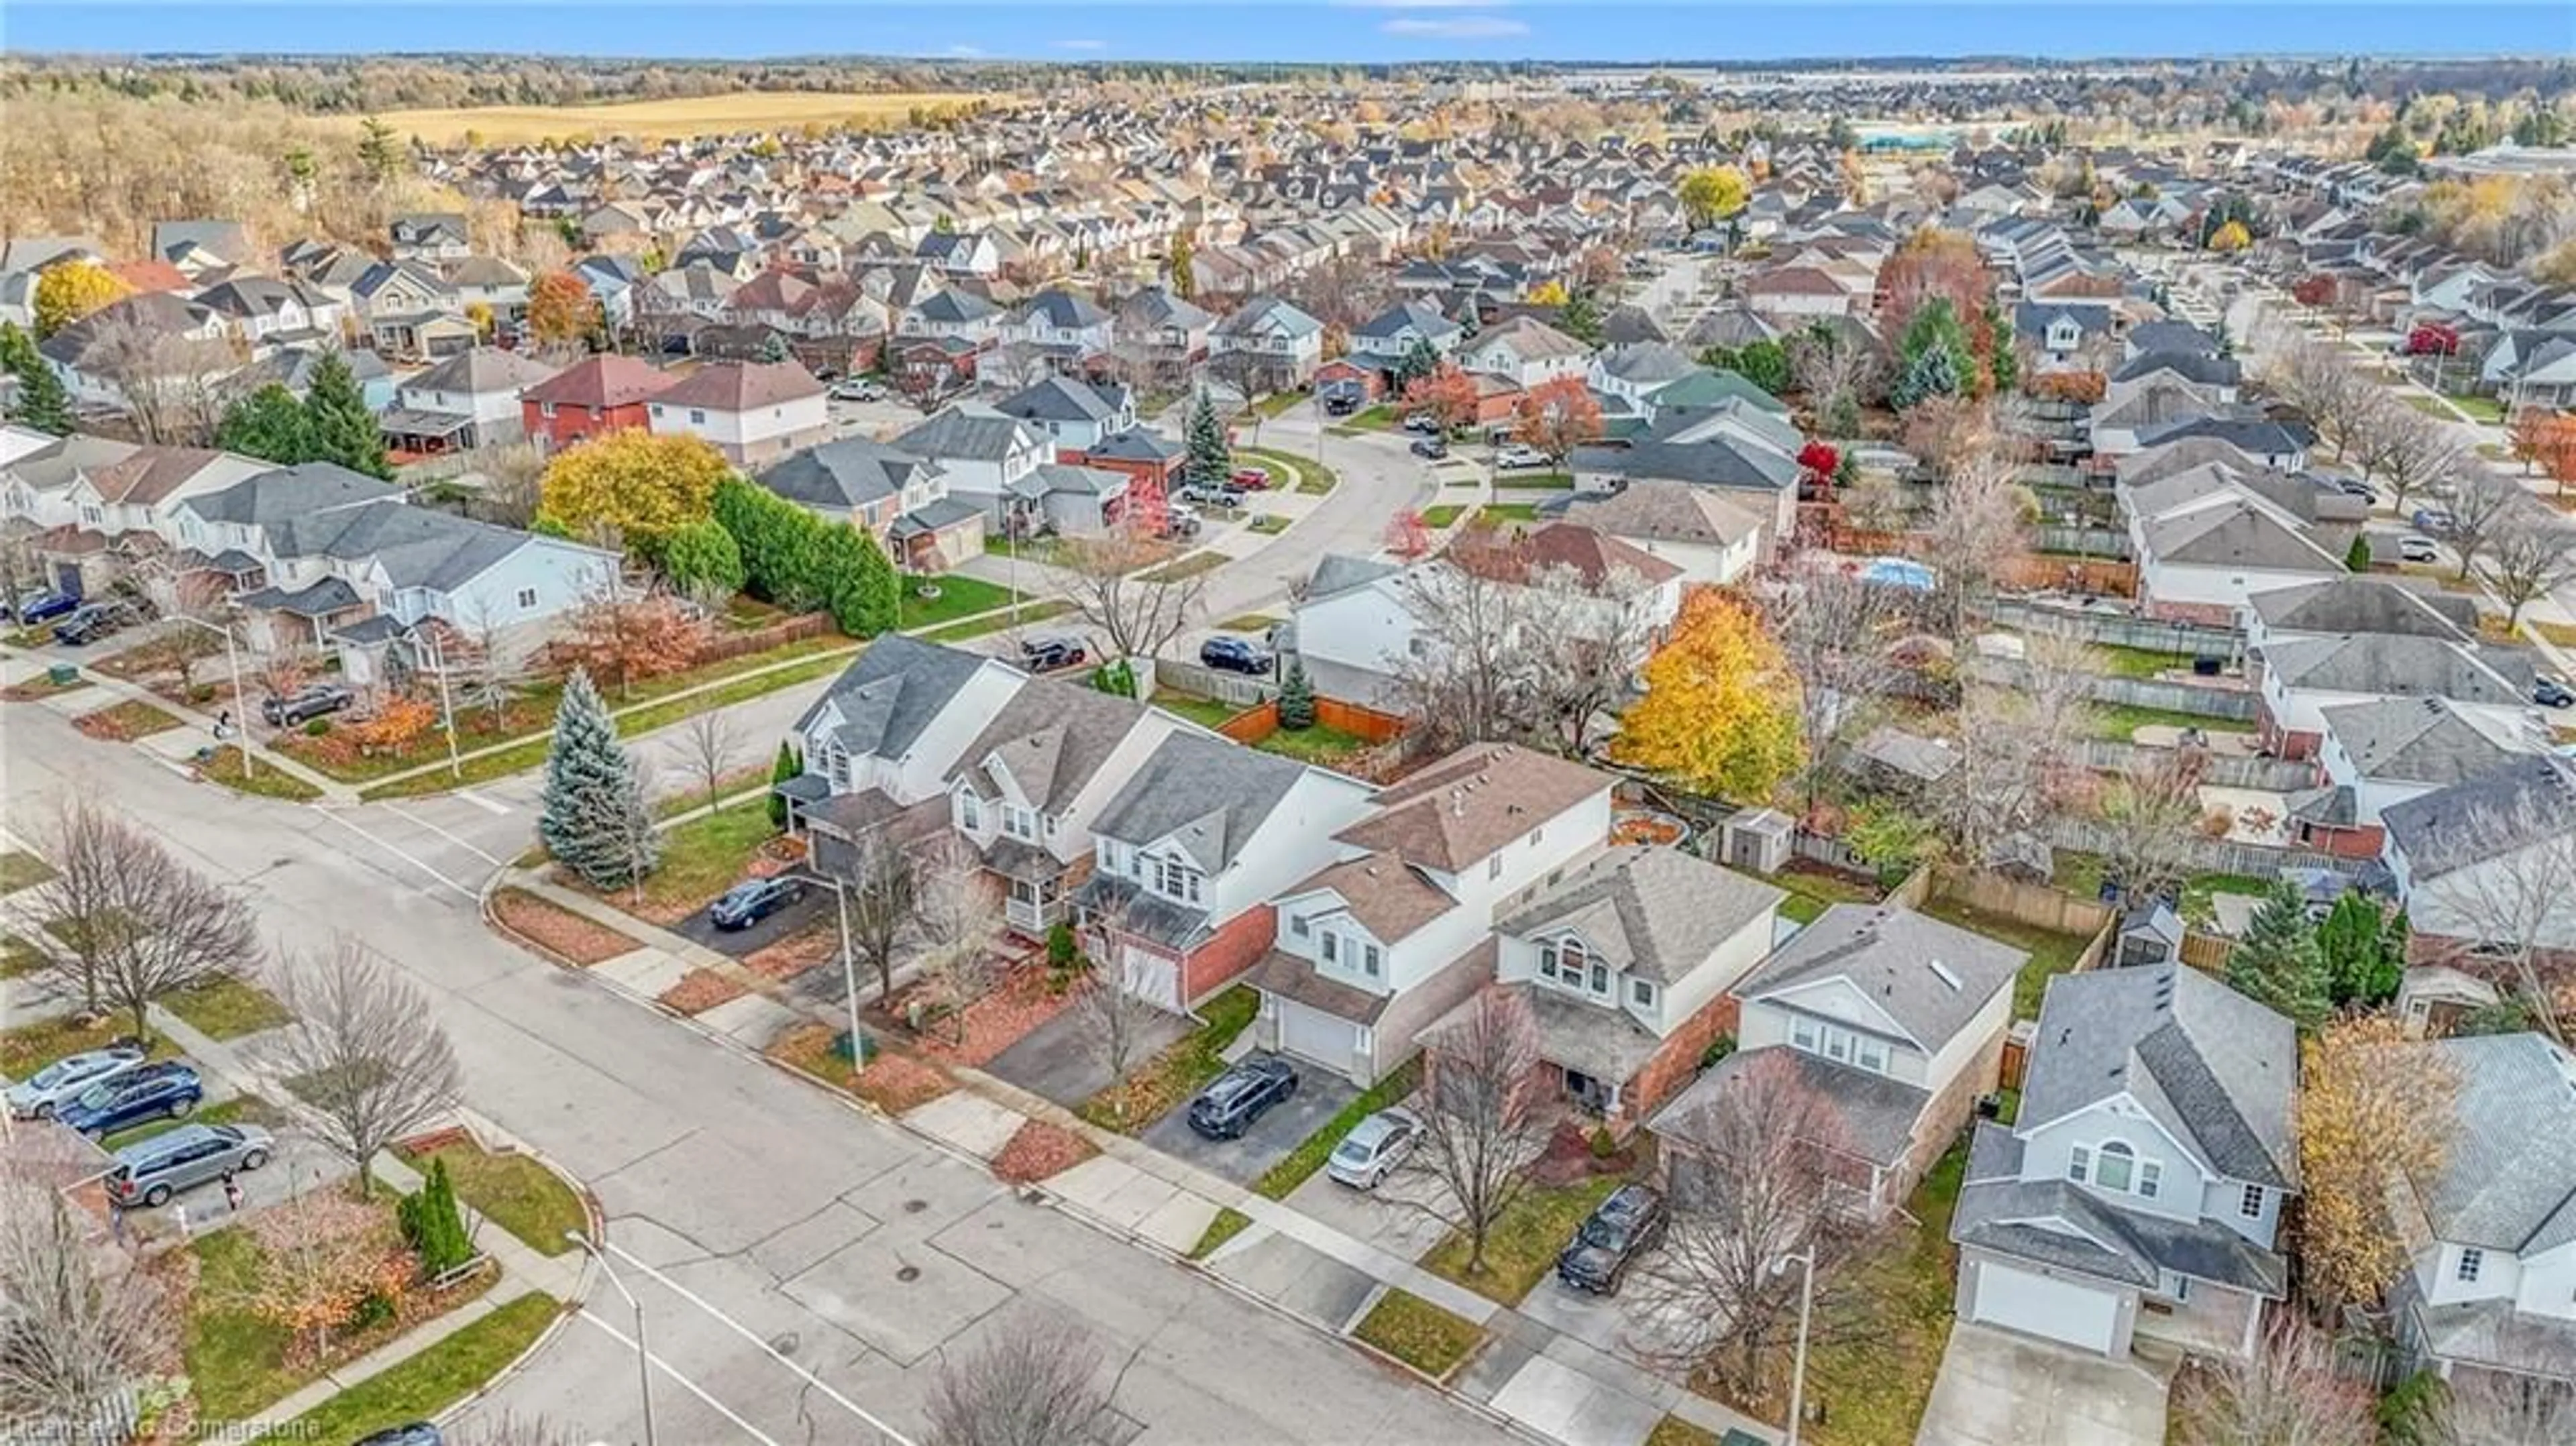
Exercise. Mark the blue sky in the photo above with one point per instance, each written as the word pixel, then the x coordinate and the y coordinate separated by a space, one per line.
pixel 1321 30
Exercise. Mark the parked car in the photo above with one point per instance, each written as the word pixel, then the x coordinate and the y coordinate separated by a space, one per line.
pixel 1181 520
pixel 418 1433
pixel 1224 494
pixel 1236 655
pixel 1421 422
pixel 1251 479
pixel 857 390
pixel 149 1172
pixel 2549 692
pixel 2417 549
pixel 65 1079
pixel 1431 448
pixel 35 607
pixel 747 903
pixel 1620 1229
pixel 1518 457
pixel 90 622
pixel 1241 1095
pixel 1374 1146
pixel 164 1091
pixel 313 700
pixel 1340 404
pixel 2435 520
pixel 2355 487
pixel 1047 655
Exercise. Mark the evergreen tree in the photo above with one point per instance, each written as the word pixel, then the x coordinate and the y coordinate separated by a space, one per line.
pixel 594 819
pixel 1581 318
pixel 342 430
pixel 787 767
pixel 1296 698
pixel 2003 367
pixel 859 585
pixel 773 349
pixel 1766 365
pixel 268 424
pixel 1842 416
pixel 1185 280
pixel 703 559
pixel 2364 953
pixel 1211 458
pixel 1932 374
pixel 2356 558
pixel 1419 360
pixel 2278 962
pixel 42 403
pixel 433 1225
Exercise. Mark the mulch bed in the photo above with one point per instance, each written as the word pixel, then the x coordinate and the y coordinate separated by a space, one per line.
pixel 701 990
pixel 1039 1150
pixel 814 944
pixel 896 1083
pixel 40 686
pixel 558 930
pixel 995 1022
pixel 1568 1158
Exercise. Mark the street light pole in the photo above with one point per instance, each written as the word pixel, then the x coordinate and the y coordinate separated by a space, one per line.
pixel 643 1354
pixel 1806 1260
pixel 849 959
pixel 446 703
pixel 232 665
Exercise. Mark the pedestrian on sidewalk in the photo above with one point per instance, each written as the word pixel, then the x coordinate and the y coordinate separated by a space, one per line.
pixel 116 1221
pixel 232 1194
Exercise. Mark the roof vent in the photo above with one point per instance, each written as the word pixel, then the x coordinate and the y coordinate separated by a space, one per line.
pixel 1942 972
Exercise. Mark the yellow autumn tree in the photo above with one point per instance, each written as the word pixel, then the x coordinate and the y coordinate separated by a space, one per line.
pixel 66 293
pixel 632 484
pixel 1548 293
pixel 1713 193
pixel 2374 1112
pixel 2231 237
pixel 1720 715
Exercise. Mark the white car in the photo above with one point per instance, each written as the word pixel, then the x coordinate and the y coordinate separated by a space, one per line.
pixel 1374 1146
pixel 855 390
pixel 36 1096
pixel 2417 549
pixel 1517 455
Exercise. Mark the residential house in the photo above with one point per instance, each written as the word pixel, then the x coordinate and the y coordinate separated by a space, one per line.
pixel 1062 332
pixel 1074 415
pixel 2386 751
pixel 1894 1018
pixel 2300 677
pixel 2139 1192
pixel 2207 542
pixel 197 247
pixel 409 310
pixel 591 398
pixel 1711 537
pixel 1266 345
pixel 93 354
pixel 2477 865
pixel 2059 336
pixel 495 286
pixel 431 236
pixel 990 461
pixel 752 412
pixel 1168 333
pixel 470 400
pixel 1397 929
pixel 263 312
pixel 1387 338
pixel 1526 352
pixel 897 498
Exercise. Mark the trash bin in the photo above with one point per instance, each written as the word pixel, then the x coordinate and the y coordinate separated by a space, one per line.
pixel 62 675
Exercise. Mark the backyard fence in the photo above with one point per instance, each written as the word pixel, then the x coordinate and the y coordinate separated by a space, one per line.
pixel 2208 855
pixel 2042 906
pixel 2225 770
pixel 2081 541
pixel 2234 704
pixel 1206 682
pixel 2181 640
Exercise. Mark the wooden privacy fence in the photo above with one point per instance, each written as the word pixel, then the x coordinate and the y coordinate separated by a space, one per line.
pixel 2226 770
pixel 2181 640
pixel 2234 704
pixel 1236 688
pixel 2208 855
pixel 2042 906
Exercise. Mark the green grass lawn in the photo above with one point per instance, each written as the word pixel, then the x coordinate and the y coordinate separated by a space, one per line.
pixel 2050 953
pixel 1381 415
pixel 1248 623
pixel 1803 908
pixel 2484 409
pixel 2135 662
pixel 1229 1223
pixel 981 627
pixel 1523 1245
pixel 1444 514
pixel 1418 1333
pixel 959 596
pixel 1873 1384
pixel 703 857
pixel 18 958
pixel 428 1383
pixel 1309 1156
pixel 1270 524
pixel 2428 406
pixel 515 1193
pixel 1281 403
pixel 1509 512
pixel 2119 721
pixel 226 768
pixel 1541 481
pixel 237 1362
pixel 1811 893
pixel 20 869
pixel 1312 478
pixel 1674 1431
pixel 1162 1082
pixel 1205 712
pixel 1318 744
pixel 228 1008
pixel 1187 567
pixel 30 1047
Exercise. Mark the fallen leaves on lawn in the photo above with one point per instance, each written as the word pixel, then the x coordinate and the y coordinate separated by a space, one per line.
pixel 1039 1150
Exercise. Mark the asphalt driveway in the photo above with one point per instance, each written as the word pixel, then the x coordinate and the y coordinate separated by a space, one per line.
pixel 1998 1388
pixel 1319 1097
pixel 736 943
pixel 1058 1061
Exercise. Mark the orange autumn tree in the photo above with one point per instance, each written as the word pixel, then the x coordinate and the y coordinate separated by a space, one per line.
pixel 1447 393
pixel 560 308
pixel 397 722
pixel 2547 441
pixel 2374 1113
pixel 620 639
pixel 1720 715
pixel 319 1258
pixel 1557 416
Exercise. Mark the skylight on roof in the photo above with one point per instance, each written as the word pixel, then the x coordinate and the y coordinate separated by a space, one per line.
pixel 1942 972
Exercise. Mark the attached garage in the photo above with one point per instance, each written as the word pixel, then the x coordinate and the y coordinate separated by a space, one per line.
pixel 1153 976
pixel 2068 1311
pixel 1311 1034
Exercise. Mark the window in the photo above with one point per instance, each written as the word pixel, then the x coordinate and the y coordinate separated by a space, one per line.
pixel 2151 1174
pixel 1536 834
pixel 2118 1164
pixel 1547 961
pixel 1870 1054
pixel 545 409
pixel 527 598
pixel 1601 979
pixel 2250 1204
pixel 2470 1259
pixel 2078 1161
pixel 1175 879
pixel 1297 925
pixel 1332 947
pixel 970 811
pixel 1641 993
pixel 1369 960
pixel 1802 1034
pixel 1019 823
pixel 697 418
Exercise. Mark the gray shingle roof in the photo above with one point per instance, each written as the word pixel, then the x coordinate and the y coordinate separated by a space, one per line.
pixel 2396 665
pixel 2358 604
pixel 892 692
pixel 2419 740
pixel 1210 793
pixel 2508 1176
pixel 2001 1212
pixel 1051 738
pixel 1877 1112
pixel 2501 810
pixel 1887 955
pixel 970 436
pixel 1337 572
pixel 1655 912
pixel 851 472
pixel 1719 461
pixel 2216 1069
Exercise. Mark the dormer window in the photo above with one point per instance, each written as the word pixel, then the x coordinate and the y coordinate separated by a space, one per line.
pixel 2115 1165
pixel 1641 993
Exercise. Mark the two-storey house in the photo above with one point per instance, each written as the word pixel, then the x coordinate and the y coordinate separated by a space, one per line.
pixel 1387 338
pixel 882 742
pixel 591 398
pixel 752 412
pixel 1067 333
pixel 1397 929
pixel 2140 1189
pixel 1896 1020
pixel 409 310
pixel 897 498
pixel 1074 415
pixel 470 400
pixel 1526 352
pixel 1267 345
pixel 990 461
pixel 1169 334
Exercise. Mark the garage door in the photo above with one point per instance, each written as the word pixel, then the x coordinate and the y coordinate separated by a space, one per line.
pixel 1154 977
pixel 1312 1034
pixel 2058 1310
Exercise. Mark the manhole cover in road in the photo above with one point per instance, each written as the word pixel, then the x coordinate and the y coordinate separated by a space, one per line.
pixel 915 1207
pixel 908 1273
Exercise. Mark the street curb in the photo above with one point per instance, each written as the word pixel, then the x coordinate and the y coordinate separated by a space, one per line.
pixel 565 1310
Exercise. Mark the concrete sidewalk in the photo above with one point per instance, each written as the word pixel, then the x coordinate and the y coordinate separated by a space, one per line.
pixel 106 691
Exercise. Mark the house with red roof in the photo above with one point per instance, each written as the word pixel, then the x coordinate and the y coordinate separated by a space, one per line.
pixel 752 412
pixel 605 393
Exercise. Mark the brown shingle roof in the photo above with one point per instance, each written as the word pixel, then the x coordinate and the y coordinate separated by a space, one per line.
pixel 1388 898
pixel 741 386
pixel 1464 807
pixel 601 381
pixel 1560 544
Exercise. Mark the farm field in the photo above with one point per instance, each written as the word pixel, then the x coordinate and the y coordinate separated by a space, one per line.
pixel 648 119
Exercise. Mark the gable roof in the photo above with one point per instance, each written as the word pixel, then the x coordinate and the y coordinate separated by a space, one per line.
pixel 2508 1176
pixel 1654 912
pixel 731 386
pixel 1388 896
pixel 2356 603
pixel 2419 740
pixel 850 472
pixel 1592 555
pixel 603 381
pixel 1462 808
pixel 891 692
pixel 1052 739
pixel 1660 509
pixel 2400 665
pixel 480 371
pixel 975 436
pixel 1887 956
pixel 2486 816
pixel 1209 793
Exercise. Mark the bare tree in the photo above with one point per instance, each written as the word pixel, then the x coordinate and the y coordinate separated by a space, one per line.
pixel 1831 630
pixel 280 671
pixel 1116 1021
pixel 174 386
pixel 1011 366
pixel 1120 584
pixel 2014 731
pixel 1483 1116
pixel 364 1050
pixel 2515 907
pixel 2147 815
pixel 1831 363
pixel 485 671
pixel 2287 1392
pixel 1979 528
pixel 2491 1408
pixel 1466 675
pixel 1585 639
pixel 2530 552
pixel 2481 503
pixel 1876 503
pixel 876 879
pixel 138 925
pixel 80 1323
pixel 712 744
pixel 1754 1181
pixel 956 919
pixel 1032 1382
pixel 2421 459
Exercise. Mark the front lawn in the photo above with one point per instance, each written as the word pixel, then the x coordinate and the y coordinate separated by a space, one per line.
pixel 1270 524
pixel 30 1047
pixel 1205 712
pixel 700 859
pixel 1313 478
pixel 1872 1384
pixel 2482 409
pixel 1418 1333
pixel 124 722
pixel 1188 567
pixel 1522 1247
pixel 1229 1223
pixel 2051 953
pixel 225 767
pixel 1509 512
pixel 1308 1157
pixel 960 596
pixel 1281 403
pixel 239 1110
pixel 227 1008
pixel 980 627
pixel 20 869
pixel 1159 1085
pixel 1444 514
pixel 427 1384
pixel 18 958
pixel 1319 745
pixel 1546 481
pixel 513 1192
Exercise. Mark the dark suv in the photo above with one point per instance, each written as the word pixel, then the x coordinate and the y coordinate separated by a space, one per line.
pixel 746 904
pixel 1046 655
pixel 154 1092
pixel 90 622
pixel 1235 655
pixel 1241 1095
pixel 1620 1229
pixel 313 700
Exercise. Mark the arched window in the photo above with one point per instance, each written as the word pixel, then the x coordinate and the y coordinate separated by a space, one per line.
pixel 2113 1165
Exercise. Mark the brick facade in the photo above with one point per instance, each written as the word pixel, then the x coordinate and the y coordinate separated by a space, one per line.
pixel 1221 960
pixel 1941 1123
pixel 571 424
pixel 1676 1062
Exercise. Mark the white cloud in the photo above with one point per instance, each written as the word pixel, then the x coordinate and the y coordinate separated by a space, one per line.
pixel 1082 45
pixel 1464 27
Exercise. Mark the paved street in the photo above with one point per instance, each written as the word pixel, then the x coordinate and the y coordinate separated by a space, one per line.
pixel 791 1234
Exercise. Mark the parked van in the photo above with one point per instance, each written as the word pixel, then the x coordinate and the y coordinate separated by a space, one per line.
pixel 150 1172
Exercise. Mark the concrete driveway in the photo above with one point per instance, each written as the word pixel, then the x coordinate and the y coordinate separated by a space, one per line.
pixel 813 904
pixel 1382 1217
pixel 1059 1061
pixel 1319 1097
pixel 2001 1389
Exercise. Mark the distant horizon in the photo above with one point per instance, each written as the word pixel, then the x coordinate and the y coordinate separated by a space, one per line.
pixel 1330 32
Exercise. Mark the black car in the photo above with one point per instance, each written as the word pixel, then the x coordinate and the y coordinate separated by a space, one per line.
pixel 313 700
pixel 1430 447
pixel 418 1433
pixel 1340 405
pixel 90 622
pixel 2550 693
pixel 747 904
pixel 1236 655
pixel 1619 1230
pixel 1046 655
pixel 1228 1106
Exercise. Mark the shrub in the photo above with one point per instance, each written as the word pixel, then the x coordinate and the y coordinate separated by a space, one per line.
pixel 1718 1049
pixel 317 727
pixel 1117 679
pixel 433 1226
pixel 1603 1145
pixel 1062 951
